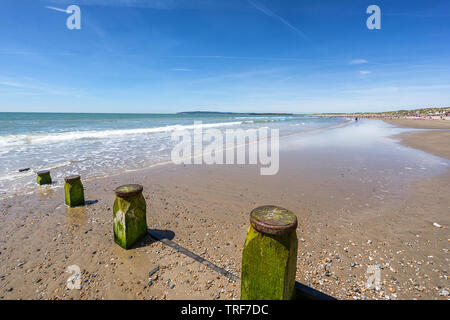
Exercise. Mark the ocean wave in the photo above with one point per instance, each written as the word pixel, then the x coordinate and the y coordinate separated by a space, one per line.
pixel 32 139
pixel 17 174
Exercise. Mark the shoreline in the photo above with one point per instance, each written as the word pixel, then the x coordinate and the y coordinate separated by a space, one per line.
pixel 23 178
pixel 343 226
pixel 435 142
pixel 415 123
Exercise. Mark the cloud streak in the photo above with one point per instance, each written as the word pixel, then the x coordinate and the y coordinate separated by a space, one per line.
pixel 30 88
pixel 14 84
pixel 358 61
pixel 259 6
pixel 182 69
pixel 240 58
pixel 57 9
pixel 156 4
pixel 32 53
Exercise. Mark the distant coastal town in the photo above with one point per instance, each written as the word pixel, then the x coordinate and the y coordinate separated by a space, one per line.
pixel 424 113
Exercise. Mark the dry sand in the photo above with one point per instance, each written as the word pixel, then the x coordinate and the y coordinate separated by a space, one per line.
pixel 352 213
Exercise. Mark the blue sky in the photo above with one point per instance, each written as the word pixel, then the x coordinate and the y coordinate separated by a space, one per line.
pixel 236 55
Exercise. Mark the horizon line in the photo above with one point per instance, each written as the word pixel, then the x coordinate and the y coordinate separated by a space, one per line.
pixel 227 112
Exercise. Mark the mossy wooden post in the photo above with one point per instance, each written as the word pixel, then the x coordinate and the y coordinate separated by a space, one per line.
pixel 269 258
pixel 129 215
pixel 43 177
pixel 74 191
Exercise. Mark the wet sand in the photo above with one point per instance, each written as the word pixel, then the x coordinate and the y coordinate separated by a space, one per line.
pixel 359 202
pixel 434 142
pixel 420 123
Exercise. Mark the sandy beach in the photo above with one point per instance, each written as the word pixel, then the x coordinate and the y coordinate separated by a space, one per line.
pixel 420 123
pixel 212 151
pixel 434 142
pixel 360 201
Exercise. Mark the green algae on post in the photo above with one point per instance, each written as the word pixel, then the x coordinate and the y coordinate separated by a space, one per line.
pixel 43 177
pixel 74 191
pixel 269 258
pixel 129 215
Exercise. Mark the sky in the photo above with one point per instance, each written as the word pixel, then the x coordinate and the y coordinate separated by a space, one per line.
pixel 165 56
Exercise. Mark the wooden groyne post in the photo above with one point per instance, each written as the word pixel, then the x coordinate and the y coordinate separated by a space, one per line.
pixel 269 258
pixel 43 177
pixel 129 215
pixel 73 191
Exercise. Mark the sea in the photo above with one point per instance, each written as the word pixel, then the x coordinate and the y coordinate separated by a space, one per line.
pixel 97 145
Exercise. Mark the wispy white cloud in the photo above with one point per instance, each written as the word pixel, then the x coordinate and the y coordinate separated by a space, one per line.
pixel 238 75
pixel 418 15
pixel 397 89
pixel 182 69
pixel 31 87
pixel 273 15
pixel 155 4
pixel 246 58
pixel 31 53
pixel 57 9
pixel 358 61
pixel 7 83
pixel 365 72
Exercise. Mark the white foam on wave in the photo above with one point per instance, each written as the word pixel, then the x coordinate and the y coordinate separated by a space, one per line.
pixel 14 175
pixel 18 140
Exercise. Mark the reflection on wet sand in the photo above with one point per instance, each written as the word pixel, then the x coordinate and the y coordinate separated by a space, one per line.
pixel 361 200
pixel 76 217
pixel 46 192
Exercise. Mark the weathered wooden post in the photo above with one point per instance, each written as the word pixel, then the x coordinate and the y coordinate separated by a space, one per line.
pixel 74 191
pixel 43 177
pixel 269 259
pixel 129 215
